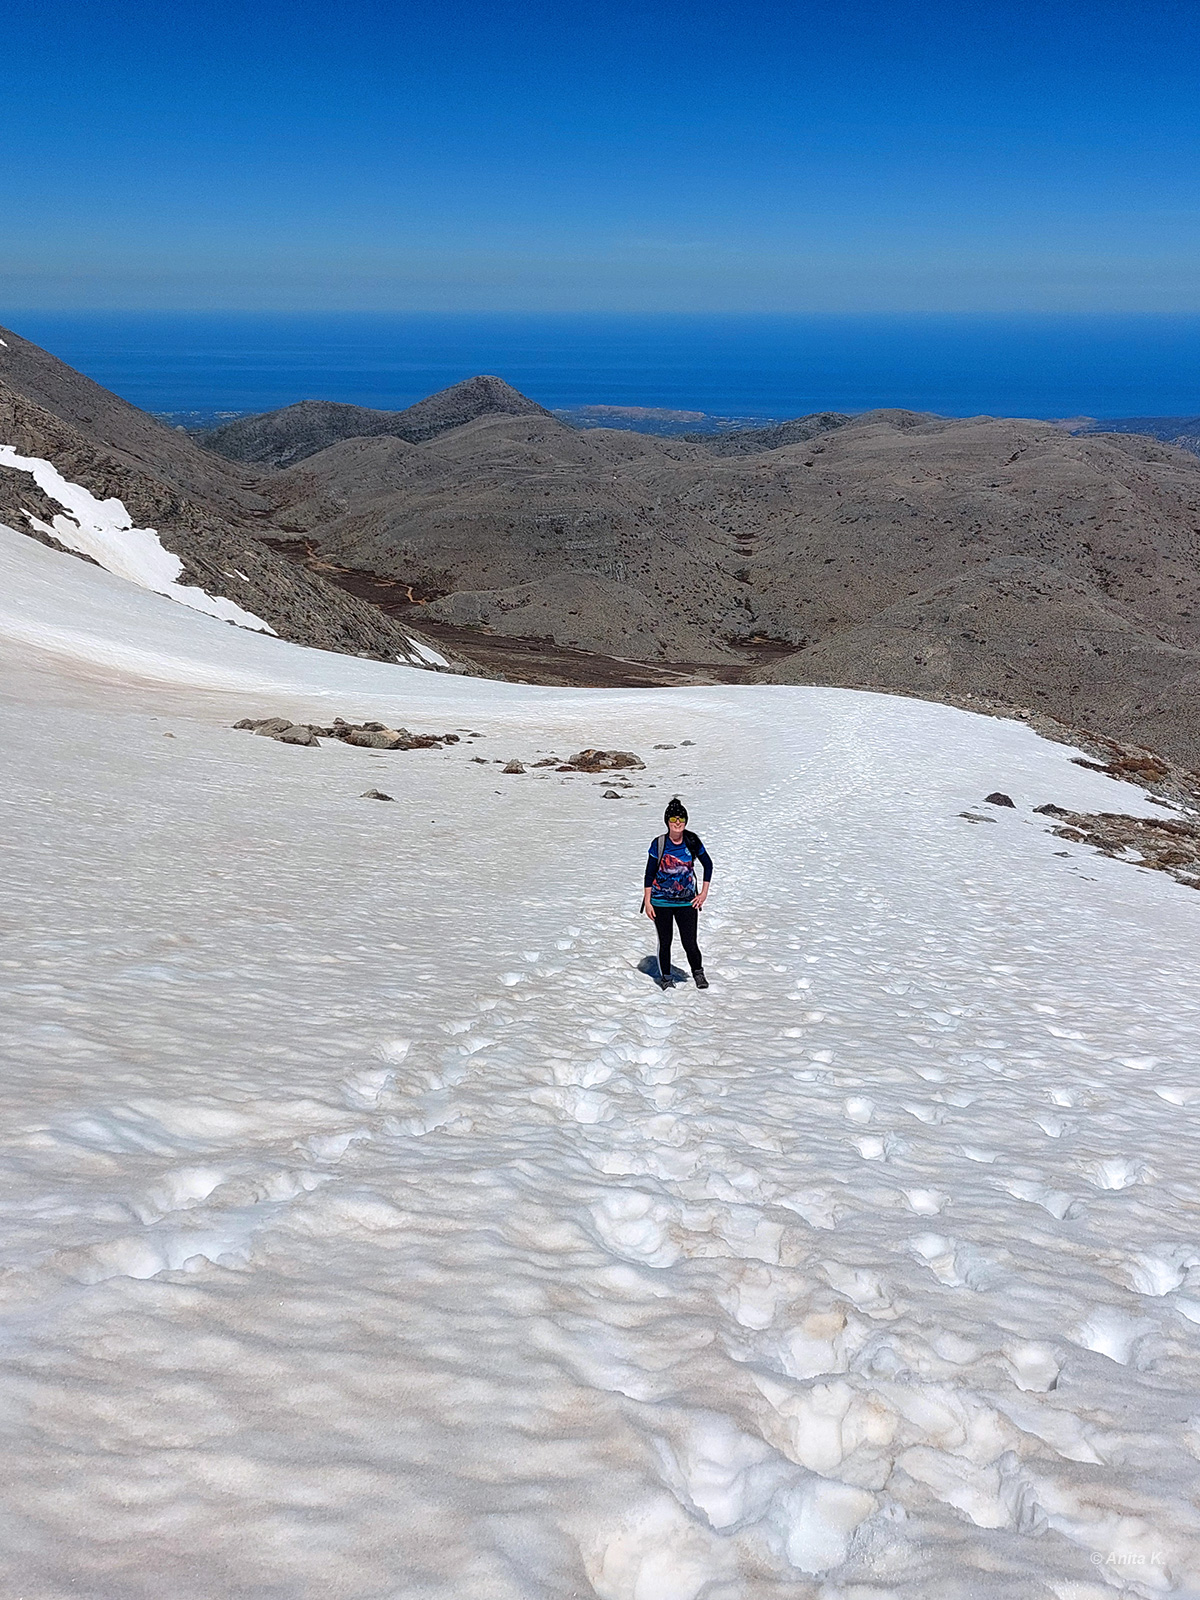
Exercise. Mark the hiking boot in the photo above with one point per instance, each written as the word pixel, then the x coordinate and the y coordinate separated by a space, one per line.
pixel 701 980
pixel 665 983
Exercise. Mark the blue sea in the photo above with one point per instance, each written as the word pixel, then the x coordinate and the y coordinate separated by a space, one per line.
pixel 725 366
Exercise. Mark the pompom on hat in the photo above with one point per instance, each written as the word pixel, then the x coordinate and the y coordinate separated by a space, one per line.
pixel 675 808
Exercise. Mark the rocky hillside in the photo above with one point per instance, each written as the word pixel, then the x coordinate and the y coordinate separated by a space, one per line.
pixel 281 438
pixel 205 512
pixel 1003 559
pixel 996 557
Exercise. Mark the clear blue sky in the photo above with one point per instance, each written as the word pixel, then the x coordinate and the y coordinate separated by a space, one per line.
pixel 825 155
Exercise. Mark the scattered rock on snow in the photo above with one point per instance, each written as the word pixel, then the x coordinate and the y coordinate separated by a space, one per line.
pixel 601 761
pixel 366 735
pixel 1163 844
pixel 376 794
pixel 610 794
pixel 998 799
pixel 514 766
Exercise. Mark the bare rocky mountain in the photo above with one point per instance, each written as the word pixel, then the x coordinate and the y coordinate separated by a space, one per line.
pixel 1009 560
pixel 1000 558
pixel 281 438
pixel 209 514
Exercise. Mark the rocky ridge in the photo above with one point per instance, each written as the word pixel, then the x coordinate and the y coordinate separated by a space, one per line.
pixel 282 438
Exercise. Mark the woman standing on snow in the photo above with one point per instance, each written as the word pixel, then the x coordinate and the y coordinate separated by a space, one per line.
pixel 669 897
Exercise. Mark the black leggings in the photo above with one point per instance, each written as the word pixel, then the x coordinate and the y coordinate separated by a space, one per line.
pixel 684 917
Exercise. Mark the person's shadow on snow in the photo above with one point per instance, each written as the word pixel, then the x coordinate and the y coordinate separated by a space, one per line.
pixel 649 965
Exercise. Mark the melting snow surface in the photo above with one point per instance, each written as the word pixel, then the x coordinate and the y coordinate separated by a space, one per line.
pixel 372 1227
pixel 104 530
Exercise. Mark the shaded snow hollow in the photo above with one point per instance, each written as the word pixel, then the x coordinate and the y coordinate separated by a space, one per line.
pixel 373 1227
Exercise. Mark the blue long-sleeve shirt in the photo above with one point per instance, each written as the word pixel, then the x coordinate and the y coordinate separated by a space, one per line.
pixel 672 880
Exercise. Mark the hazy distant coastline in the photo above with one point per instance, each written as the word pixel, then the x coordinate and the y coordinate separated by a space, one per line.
pixel 734 370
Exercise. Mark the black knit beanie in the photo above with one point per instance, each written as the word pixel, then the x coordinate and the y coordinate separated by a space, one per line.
pixel 675 808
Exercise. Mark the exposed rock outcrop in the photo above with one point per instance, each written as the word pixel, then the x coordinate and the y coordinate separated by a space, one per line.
pixel 366 735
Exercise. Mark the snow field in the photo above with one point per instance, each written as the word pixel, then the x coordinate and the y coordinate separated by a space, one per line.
pixel 372 1227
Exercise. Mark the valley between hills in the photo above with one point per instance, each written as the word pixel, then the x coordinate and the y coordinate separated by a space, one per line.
pixel 992 561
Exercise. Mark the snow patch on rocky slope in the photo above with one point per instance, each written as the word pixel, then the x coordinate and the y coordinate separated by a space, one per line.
pixel 103 530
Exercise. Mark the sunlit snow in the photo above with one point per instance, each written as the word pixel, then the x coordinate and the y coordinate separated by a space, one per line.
pixel 104 530
pixel 427 653
pixel 372 1227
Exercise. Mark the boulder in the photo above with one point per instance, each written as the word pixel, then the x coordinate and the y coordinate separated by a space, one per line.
pixel 514 766
pixel 610 794
pixel 376 794
pixel 998 799
pixel 376 739
pixel 298 733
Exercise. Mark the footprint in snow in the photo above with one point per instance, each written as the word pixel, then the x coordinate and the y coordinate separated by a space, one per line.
pixel 1111 1332
pixel 937 1252
pixel 364 1088
pixel 1114 1174
pixel 1059 1205
pixel 925 1113
pixel 1157 1275
pixel 871 1148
